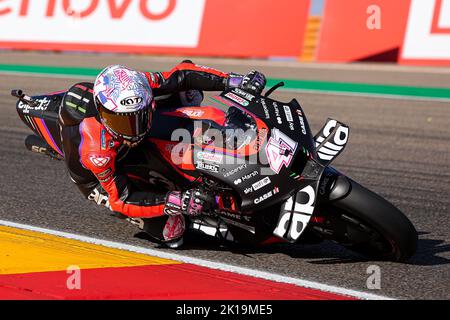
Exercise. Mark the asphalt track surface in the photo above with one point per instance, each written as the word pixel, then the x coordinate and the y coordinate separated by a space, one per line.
pixel 399 148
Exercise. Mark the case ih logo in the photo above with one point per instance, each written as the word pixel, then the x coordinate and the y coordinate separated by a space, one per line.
pixel 428 31
pixel 154 23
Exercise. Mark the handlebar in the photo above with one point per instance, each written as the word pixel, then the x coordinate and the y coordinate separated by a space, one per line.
pixel 275 87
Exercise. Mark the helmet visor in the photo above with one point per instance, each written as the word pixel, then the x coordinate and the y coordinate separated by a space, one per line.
pixel 129 126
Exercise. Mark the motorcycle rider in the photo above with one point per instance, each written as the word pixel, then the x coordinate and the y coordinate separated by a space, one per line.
pixel 100 122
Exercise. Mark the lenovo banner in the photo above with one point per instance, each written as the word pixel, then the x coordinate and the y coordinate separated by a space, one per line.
pixel 203 27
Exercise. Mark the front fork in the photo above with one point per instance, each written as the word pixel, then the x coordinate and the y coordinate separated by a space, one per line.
pixel 333 186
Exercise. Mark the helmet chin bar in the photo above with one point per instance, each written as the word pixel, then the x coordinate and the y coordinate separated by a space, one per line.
pixel 132 144
pixel 128 141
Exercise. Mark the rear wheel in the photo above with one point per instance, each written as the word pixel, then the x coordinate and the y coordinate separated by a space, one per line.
pixel 370 225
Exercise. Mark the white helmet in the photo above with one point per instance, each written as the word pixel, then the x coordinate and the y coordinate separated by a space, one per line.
pixel 125 103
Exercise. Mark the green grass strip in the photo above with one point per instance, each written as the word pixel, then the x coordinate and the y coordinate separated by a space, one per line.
pixel 290 84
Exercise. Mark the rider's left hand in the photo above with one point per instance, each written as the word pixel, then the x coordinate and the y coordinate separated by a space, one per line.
pixel 254 82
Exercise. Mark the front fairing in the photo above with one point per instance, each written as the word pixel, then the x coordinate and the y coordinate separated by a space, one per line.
pixel 255 171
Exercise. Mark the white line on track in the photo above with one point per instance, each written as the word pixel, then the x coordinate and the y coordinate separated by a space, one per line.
pixel 201 262
pixel 306 91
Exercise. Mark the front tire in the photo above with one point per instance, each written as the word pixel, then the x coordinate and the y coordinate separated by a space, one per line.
pixel 370 225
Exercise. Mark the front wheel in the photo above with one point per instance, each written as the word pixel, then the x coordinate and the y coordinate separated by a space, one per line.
pixel 370 225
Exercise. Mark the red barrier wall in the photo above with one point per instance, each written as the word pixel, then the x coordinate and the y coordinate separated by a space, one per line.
pixel 345 36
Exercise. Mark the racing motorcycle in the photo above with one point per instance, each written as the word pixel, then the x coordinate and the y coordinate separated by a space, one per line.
pixel 271 178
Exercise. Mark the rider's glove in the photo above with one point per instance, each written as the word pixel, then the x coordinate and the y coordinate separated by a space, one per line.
pixel 253 82
pixel 191 202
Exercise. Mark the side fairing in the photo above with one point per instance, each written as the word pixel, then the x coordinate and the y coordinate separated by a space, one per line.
pixel 43 118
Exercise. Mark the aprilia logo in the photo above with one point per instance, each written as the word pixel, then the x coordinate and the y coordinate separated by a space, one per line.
pixel 300 207
pixel 332 148
pixel 98 198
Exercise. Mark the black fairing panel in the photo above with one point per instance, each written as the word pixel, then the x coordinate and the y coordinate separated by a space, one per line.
pixel 47 111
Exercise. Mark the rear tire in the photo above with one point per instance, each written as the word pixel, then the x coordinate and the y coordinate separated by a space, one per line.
pixel 370 225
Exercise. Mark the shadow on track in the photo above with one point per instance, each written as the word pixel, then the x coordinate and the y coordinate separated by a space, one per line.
pixel 325 253
pixel 428 250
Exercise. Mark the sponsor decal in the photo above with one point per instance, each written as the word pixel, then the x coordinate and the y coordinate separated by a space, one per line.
pixel 257 185
pixel 193 113
pixel 266 196
pixel 288 113
pixel 302 121
pixel 280 150
pixel 260 138
pixel 261 183
pixel 210 157
pixel 289 118
pixel 155 23
pixel 239 225
pixel 237 99
pixel 246 177
pixel 277 113
pixel 232 215
pixel 244 94
pixel 324 183
pixel 265 108
pixel 105 175
pixel 43 105
pixel 248 190
pixel 99 161
pixel 103 139
pixel 131 102
pixel 235 170
pixel 209 69
pixel 207 166
pixel 39 149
